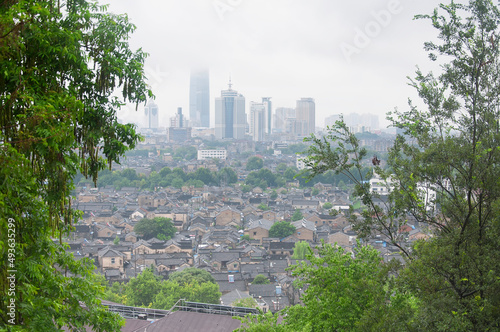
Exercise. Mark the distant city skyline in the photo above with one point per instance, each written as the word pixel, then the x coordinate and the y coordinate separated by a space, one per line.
pixel 351 57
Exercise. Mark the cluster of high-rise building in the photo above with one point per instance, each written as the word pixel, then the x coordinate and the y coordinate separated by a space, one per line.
pixel 232 120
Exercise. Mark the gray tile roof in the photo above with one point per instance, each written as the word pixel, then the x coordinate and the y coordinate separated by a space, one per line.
pixel 261 223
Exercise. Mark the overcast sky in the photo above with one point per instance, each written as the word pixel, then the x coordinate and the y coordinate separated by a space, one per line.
pixel 350 56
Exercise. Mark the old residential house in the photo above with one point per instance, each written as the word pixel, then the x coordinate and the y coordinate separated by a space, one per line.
pixel 305 230
pixel 228 216
pixel 258 229
pixel 111 259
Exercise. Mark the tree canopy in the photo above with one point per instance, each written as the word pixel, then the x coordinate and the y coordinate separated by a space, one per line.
pixel 301 249
pixel 190 275
pixel 159 227
pixel 61 64
pixel 297 215
pixel 442 172
pixel 260 279
pixel 442 175
pixel 281 229
pixel 340 289
pixel 247 302
pixel 149 290
pixel 254 163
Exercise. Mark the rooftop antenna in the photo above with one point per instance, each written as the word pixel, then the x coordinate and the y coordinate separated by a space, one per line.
pixel 230 84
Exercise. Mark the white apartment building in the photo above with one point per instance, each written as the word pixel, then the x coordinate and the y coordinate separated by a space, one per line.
pixel 210 154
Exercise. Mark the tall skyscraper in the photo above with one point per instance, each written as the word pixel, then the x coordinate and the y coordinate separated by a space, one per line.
pixel 305 112
pixel 257 120
pixel 230 117
pixel 199 99
pixel 268 113
pixel 151 113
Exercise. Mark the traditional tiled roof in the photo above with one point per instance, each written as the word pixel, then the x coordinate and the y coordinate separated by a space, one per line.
pixel 261 223
pixel 108 252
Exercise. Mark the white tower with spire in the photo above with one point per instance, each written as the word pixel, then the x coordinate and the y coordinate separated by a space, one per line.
pixel 151 113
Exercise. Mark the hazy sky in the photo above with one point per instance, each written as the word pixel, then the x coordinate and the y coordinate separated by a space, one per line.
pixel 350 56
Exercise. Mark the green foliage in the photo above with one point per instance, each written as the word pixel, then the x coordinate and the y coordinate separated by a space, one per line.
pixel 263 207
pixel 301 249
pixel 281 167
pixel 273 195
pixel 165 171
pixel 177 183
pixel 245 237
pixel 261 323
pixel 190 275
pixel 186 152
pixel 290 173
pixel 204 175
pixel 342 293
pixel 340 289
pixel 281 229
pixel 141 290
pixel 137 153
pixel 265 177
pixel 254 163
pixel 247 302
pixel 450 151
pixel 116 241
pixel 245 188
pixel 62 65
pixel 115 293
pixel 148 290
pixel 227 175
pixel 171 292
pixel 44 296
pixel 327 206
pixel 260 279
pixel 297 215
pixel 167 178
pixel 294 149
pixel 161 228
pixel 129 174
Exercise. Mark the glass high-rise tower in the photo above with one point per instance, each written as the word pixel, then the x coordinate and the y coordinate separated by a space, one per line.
pixel 199 99
pixel 268 114
pixel 230 117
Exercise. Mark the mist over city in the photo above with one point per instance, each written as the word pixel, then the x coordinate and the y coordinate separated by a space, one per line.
pixel 249 165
